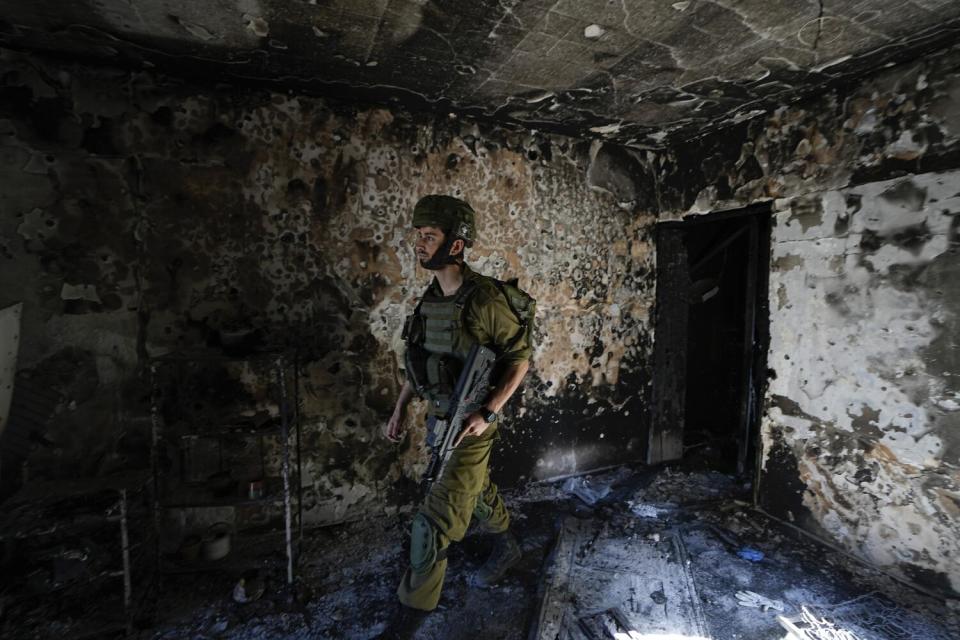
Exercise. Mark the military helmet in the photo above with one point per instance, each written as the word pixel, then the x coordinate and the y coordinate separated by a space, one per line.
pixel 453 215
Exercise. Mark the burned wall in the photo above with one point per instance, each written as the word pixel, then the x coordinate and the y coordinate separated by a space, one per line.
pixel 142 215
pixel 861 412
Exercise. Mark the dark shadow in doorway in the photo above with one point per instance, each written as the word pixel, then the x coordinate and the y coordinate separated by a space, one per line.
pixel 712 331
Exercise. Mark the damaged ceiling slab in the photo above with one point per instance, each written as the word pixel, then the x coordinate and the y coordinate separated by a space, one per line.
pixel 641 72
pixel 230 183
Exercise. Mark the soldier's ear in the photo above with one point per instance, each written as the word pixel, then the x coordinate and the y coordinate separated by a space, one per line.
pixel 457 247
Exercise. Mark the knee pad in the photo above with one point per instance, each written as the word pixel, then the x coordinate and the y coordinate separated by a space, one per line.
pixel 482 511
pixel 423 544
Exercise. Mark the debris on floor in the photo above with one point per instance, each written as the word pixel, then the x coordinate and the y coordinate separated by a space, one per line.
pixel 757 601
pixel 656 556
pixel 868 617
pixel 750 554
pixel 599 567
pixel 581 487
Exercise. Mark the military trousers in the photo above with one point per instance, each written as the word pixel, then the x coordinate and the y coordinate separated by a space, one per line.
pixel 463 492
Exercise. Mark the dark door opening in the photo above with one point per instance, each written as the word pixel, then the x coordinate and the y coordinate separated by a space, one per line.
pixel 711 339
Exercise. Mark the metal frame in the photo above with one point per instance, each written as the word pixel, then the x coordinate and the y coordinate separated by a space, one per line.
pixel 21 522
pixel 280 362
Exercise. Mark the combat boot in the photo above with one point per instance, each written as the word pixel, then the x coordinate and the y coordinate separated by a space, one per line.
pixel 506 553
pixel 403 624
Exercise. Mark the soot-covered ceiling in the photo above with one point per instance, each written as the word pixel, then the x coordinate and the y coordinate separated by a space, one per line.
pixel 639 71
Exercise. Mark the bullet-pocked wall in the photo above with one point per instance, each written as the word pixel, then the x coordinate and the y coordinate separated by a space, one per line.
pixel 141 214
pixel 862 413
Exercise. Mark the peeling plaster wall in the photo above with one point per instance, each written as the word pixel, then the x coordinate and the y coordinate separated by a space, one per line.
pixel 859 435
pixel 141 214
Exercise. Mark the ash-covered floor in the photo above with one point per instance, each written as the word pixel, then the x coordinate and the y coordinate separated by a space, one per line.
pixel 348 573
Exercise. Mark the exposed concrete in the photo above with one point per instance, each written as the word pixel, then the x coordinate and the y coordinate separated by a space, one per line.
pixel 637 71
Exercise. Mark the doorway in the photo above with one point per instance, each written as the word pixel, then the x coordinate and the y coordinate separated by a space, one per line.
pixel 712 333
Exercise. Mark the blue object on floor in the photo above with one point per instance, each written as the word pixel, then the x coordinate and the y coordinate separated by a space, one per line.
pixel 750 554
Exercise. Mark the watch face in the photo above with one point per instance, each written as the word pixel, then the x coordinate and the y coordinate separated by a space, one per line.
pixel 490 416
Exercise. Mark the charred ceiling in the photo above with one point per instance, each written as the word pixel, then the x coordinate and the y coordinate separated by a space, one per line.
pixel 640 72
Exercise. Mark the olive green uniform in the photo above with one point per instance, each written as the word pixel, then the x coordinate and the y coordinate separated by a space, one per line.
pixel 464 490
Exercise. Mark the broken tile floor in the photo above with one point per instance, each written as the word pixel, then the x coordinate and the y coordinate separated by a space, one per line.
pixel 624 563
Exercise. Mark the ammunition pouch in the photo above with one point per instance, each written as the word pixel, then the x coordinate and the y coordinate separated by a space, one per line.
pixel 415 363
pixel 436 345
pixel 413 328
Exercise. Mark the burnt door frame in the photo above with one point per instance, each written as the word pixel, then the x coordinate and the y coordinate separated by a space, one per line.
pixel 665 441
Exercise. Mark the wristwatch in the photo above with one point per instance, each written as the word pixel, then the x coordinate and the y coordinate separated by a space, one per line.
pixel 488 416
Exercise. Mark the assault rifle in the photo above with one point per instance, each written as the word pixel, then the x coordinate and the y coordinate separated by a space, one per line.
pixel 442 431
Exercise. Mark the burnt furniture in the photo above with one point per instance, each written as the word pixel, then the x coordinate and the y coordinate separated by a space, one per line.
pixel 226 461
pixel 77 557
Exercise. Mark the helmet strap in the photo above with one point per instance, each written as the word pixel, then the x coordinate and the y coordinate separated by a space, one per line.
pixel 441 256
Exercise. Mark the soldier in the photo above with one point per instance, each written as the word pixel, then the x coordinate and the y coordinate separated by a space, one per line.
pixel 459 308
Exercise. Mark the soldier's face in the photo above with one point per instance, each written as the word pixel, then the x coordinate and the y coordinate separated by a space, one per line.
pixel 429 241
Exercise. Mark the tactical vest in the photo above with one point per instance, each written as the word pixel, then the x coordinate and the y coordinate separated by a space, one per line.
pixel 437 345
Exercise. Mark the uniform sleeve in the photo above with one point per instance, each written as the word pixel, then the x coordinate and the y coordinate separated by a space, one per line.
pixel 491 321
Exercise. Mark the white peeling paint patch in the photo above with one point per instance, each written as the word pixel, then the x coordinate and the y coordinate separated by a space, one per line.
pixel 854 317
pixel 705 200
pixel 903 529
pixel 743 116
pixel 658 136
pixel 86 292
pixel 540 97
pixel 256 25
pixel 906 146
pixel 836 307
pixel 868 122
pixel 593 31
pixel 810 218
pixel 343 506
pixel 947 404
pixel 609 128
pixel 832 63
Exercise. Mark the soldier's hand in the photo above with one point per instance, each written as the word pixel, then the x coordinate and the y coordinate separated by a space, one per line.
pixel 394 428
pixel 473 425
